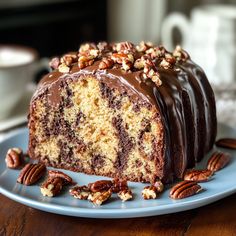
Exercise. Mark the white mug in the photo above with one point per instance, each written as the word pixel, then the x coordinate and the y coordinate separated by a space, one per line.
pixel 210 38
pixel 17 67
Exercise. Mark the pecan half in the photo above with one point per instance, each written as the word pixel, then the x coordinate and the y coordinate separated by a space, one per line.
pixel 198 175
pixel 51 187
pixel 119 185
pixel 226 143
pixel 185 189
pixel 125 195
pixel 218 160
pixel 149 192
pixel 31 173
pixel 98 198
pixel 14 158
pixel 100 185
pixel 80 192
pixel 59 174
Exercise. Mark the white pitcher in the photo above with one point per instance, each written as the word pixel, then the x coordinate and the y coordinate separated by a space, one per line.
pixel 210 38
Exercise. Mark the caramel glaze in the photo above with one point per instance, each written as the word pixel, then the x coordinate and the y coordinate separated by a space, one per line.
pixel 185 102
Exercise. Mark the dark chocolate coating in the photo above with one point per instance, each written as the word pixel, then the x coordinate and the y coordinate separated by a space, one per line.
pixel 185 101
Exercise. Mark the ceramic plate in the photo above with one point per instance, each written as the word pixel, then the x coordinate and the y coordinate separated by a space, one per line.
pixel 222 185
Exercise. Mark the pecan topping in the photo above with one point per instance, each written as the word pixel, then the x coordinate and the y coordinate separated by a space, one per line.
pixel 226 143
pixel 106 63
pixel 98 198
pixel 144 46
pixel 68 59
pixel 31 173
pixel 185 189
pixel 59 174
pixel 100 185
pixel 63 68
pixel 52 187
pixel 125 195
pixel 54 63
pixel 149 192
pixel 180 54
pixel 85 61
pixel 198 175
pixel 145 57
pixel 14 158
pixel 80 192
pixel 119 185
pixel 218 160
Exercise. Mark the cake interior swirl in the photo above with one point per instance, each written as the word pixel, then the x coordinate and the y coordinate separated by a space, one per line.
pixel 122 110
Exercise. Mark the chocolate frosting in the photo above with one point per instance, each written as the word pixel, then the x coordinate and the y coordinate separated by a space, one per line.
pixel 185 102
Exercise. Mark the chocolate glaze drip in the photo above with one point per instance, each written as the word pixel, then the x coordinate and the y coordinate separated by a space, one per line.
pixel 185 101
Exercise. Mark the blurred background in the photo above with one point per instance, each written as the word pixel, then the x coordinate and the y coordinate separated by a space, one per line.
pixel 53 27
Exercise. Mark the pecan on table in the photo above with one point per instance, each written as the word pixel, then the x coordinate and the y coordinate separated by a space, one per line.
pixel 59 174
pixel 226 143
pixel 218 160
pixel 185 189
pixel 80 192
pixel 198 175
pixel 31 173
pixel 98 198
pixel 149 192
pixel 100 185
pixel 125 195
pixel 14 158
pixel 51 187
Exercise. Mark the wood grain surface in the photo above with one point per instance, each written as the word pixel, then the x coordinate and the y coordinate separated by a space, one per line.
pixel 216 219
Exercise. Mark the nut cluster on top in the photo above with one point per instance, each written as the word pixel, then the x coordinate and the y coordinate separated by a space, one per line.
pixel 126 56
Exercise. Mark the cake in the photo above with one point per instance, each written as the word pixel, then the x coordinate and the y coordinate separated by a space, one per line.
pixel 122 110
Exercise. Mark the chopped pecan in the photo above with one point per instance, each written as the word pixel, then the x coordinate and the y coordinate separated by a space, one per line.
pixel 85 61
pixel 100 185
pixel 124 47
pixel 149 192
pixel 68 59
pixel 98 198
pixel 52 187
pixel 106 63
pixel 159 186
pixel 125 195
pixel 226 143
pixel 80 192
pixel 31 173
pixel 119 185
pixel 119 57
pixel 84 48
pixel 218 160
pixel 54 63
pixel 144 46
pixel 63 68
pixel 104 47
pixel 180 54
pixel 185 189
pixel 59 174
pixel 14 158
pixel 198 175
pixel 155 52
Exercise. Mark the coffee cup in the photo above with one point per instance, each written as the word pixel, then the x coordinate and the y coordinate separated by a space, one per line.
pixel 209 36
pixel 18 64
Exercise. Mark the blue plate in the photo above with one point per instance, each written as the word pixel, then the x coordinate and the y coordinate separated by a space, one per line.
pixel 221 185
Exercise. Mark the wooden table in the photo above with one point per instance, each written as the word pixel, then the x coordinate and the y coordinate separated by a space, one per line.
pixel 215 219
